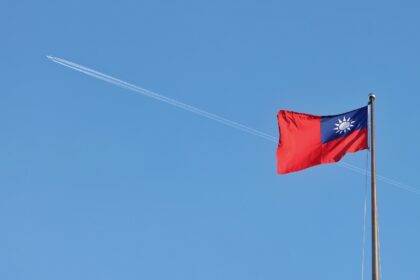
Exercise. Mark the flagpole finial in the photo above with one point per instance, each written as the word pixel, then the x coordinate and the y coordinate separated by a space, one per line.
pixel 372 96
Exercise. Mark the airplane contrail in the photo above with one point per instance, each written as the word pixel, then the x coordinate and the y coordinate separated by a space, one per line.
pixel 208 115
pixel 160 97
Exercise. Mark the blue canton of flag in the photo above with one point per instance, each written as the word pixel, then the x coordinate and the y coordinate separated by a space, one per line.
pixel 336 126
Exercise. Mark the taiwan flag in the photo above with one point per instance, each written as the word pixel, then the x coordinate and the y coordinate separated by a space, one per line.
pixel 307 140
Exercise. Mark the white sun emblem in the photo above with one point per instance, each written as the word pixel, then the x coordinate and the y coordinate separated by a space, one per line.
pixel 343 126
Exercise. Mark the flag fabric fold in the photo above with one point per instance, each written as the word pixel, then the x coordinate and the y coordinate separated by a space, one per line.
pixel 307 140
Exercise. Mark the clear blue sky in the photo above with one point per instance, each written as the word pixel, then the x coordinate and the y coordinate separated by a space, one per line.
pixel 100 183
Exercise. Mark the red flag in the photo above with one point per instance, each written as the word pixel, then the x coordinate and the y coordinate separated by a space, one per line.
pixel 308 140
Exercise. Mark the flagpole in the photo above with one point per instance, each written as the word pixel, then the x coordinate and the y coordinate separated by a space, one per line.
pixel 375 247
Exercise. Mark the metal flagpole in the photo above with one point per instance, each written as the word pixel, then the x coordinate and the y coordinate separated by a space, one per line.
pixel 375 247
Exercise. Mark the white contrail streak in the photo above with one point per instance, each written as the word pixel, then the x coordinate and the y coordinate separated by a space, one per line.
pixel 208 115
pixel 160 97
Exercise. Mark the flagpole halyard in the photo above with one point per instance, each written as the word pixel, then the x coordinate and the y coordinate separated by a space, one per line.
pixel 375 247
